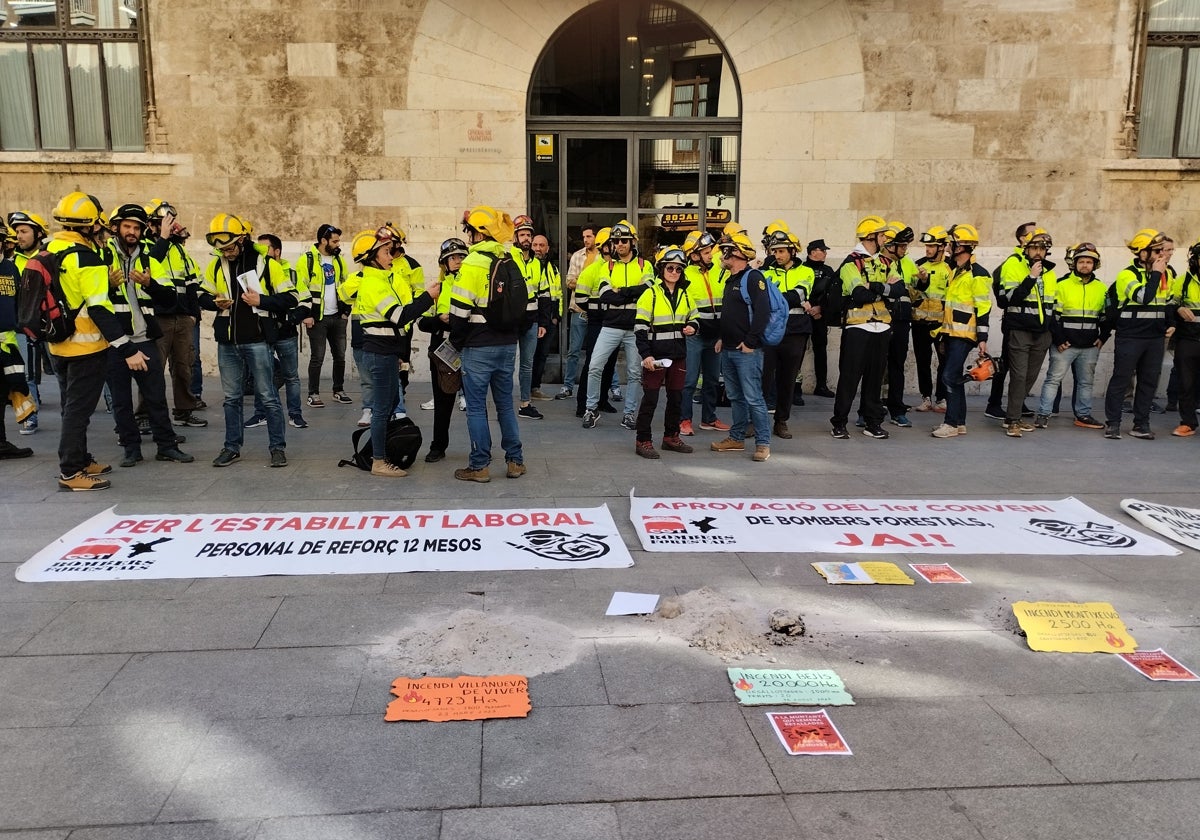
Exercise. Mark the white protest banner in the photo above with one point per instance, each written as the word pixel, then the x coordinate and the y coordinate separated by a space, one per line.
pixel 1178 523
pixel 137 546
pixel 875 526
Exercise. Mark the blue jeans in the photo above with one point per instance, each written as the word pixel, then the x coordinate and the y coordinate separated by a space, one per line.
pixel 575 350
pixel 484 369
pixel 1081 361
pixel 952 374
pixel 364 378
pixel 385 379
pixel 287 352
pixel 233 361
pixel 702 358
pixel 528 343
pixel 610 339
pixel 743 385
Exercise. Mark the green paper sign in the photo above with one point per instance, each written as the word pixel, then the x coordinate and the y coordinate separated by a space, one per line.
pixel 788 688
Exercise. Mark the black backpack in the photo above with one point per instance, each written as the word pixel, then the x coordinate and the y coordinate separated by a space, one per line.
pixel 508 295
pixel 403 445
pixel 42 310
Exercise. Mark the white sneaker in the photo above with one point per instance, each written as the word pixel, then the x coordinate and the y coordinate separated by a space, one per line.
pixel 945 431
pixel 462 403
pixel 926 405
pixel 427 405
pixel 399 415
pixel 365 420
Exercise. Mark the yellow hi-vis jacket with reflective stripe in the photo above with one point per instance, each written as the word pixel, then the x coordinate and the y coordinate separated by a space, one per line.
pixel 968 302
pixel 928 294
pixel 1142 297
pixel 1079 311
pixel 84 279
pixel 707 290
pixel 869 306
pixel 660 319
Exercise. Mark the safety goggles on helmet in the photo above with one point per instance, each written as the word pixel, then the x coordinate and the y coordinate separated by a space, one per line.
pixel 20 217
pixel 161 209
pixel 451 248
pixel 621 231
pixel 896 235
pixel 222 240
pixel 1086 249
pixel 672 256
pixel 523 222
pixel 704 240
pixel 779 239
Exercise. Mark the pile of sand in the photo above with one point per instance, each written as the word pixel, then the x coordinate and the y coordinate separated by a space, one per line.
pixel 475 642
pixel 726 626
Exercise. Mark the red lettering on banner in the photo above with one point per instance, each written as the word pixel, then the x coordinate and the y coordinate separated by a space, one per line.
pixel 422 520
pixel 195 526
pixel 293 524
pixel 851 540
pixel 941 539
pixel 849 506
pixel 227 524
pixel 889 539
pixel 446 523
pixel 539 519
pixel 493 520
pixel 471 519
pixel 400 522
pixel 316 523
pixel 122 525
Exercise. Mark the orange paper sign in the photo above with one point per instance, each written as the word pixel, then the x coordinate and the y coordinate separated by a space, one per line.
pixel 459 698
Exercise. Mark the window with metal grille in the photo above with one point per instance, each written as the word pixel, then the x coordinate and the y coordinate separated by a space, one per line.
pixel 1169 124
pixel 71 76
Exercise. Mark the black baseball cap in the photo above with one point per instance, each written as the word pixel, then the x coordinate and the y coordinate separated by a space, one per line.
pixel 817 245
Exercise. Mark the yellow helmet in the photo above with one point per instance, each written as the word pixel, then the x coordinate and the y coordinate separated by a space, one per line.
pixel 690 241
pixel 1037 236
pixel 77 209
pixel 869 226
pixel 1145 239
pixel 622 230
pixel 733 227
pixel 490 222
pixel 778 224
pixel 397 232
pixel 899 233
pixel 703 240
pixel 739 242
pixel 936 235
pixel 1085 249
pixel 225 229
pixel 965 235
pixel 602 236
pixel 10 236
pixel 367 242
pixel 24 217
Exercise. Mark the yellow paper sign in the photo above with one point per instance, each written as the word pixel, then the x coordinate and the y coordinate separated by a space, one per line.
pixel 886 573
pixel 1065 627
pixel 459 698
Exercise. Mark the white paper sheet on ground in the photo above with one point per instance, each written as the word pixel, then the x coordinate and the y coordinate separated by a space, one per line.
pixel 632 603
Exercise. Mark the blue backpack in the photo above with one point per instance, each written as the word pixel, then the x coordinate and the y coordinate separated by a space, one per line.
pixel 777 323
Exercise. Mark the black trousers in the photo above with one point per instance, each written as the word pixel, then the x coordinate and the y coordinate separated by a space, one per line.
pixel 996 395
pixel 1134 357
pixel 1187 366
pixel 80 383
pixel 781 364
pixel 152 386
pixel 924 347
pixel 549 340
pixel 897 356
pixel 820 353
pixel 863 360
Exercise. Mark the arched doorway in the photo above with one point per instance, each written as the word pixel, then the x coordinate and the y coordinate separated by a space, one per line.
pixel 634 112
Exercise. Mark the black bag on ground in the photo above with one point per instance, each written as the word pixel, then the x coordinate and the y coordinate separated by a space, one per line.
pixel 403 445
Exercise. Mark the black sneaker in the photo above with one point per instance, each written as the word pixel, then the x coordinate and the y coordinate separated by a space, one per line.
pixel 840 433
pixel 434 455
pixel 607 408
pixel 1112 432
pixel 255 421
pixel 174 453
pixel 877 432
pixel 1041 421
pixel 297 422
pixel 629 422
pixel 530 413
pixel 278 458
pixel 189 419
pixel 824 392
pixel 589 419
pixel 341 396
pixel 143 424
pixel 1026 411
pixel 226 457
pixel 1155 408
pixel 995 412
pixel 1142 432
pixel 200 404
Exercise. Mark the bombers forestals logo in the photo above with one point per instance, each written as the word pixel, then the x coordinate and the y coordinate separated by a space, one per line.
pixel 671 529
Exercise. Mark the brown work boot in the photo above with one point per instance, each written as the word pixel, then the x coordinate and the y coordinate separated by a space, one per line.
pixel 82 481
pixel 645 449
pixel 93 469
pixel 781 431
pixel 468 474
pixel 515 469
pixel 383 467
pixel 728 445
pixel 762 453
pixel 676 444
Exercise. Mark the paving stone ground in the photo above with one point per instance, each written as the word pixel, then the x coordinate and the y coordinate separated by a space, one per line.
pixel 223 709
